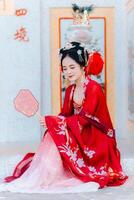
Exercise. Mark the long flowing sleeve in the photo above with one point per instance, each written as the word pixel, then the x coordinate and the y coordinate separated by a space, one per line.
pixel 94 110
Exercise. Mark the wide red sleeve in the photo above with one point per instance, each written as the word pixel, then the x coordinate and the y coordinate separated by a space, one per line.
pixel 94 101
pixel 89 114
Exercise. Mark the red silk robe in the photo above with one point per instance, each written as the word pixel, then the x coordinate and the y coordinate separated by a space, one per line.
pixel 85 138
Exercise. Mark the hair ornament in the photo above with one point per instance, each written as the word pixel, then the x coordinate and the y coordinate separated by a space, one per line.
pixel 95 64
pixel 68 46
pixel 79 52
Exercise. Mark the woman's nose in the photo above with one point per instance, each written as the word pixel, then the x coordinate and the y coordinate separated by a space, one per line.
pixel 69 71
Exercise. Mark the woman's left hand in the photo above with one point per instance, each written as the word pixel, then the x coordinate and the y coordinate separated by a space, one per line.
pixel 42 121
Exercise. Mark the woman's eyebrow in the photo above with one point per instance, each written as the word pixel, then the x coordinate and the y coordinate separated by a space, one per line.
pixel 69 66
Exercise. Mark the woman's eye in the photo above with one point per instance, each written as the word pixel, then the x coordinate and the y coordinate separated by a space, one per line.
pixel 72 67
pixel 64 69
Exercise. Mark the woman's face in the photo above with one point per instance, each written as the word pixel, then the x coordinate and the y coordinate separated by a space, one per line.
pixel 71 69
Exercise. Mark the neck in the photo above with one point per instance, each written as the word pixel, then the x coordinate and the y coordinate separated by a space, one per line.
pixel 79 82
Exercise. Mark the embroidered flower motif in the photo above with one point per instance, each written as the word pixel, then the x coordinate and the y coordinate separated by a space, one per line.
pixel 65 149
pixel 62 127
pixel 96 119
pixel 61 130
pixel 92 117
pixel 74 156
pixel 92 169
pixel 80 162
pixel 102 171
pixel 110 133
pixel 89 153
pixel 71 153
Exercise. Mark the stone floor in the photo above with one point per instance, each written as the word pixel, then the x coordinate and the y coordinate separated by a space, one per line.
pixel 125 192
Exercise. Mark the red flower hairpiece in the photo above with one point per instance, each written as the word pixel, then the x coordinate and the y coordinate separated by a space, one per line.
pixel 95 64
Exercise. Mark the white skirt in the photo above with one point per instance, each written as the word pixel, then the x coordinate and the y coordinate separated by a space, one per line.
pixel 46 174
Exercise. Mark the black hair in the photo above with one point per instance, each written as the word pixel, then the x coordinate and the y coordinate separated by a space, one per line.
pixel 73 52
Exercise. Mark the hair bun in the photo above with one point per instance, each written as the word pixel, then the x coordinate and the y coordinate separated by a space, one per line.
pixel 76 44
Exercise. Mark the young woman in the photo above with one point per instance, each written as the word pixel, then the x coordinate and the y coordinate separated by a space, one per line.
pixel 78 151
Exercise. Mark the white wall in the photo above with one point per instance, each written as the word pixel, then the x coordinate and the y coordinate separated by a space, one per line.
pixel 130 31
pixel 121 71
pixel 20 67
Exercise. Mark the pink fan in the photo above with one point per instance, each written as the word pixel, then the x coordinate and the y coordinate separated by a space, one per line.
pixel 26 103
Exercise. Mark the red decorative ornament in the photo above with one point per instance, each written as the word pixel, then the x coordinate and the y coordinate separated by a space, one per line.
pixel 21 12
pixel 95 64
pixel 21 35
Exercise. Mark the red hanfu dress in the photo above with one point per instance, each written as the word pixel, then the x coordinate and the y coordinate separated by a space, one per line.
pixel 84 141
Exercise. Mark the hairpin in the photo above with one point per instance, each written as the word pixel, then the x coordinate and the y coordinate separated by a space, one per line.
pixel 79 52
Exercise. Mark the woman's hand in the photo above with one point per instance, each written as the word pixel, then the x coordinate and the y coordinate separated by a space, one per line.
pixel 42 121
